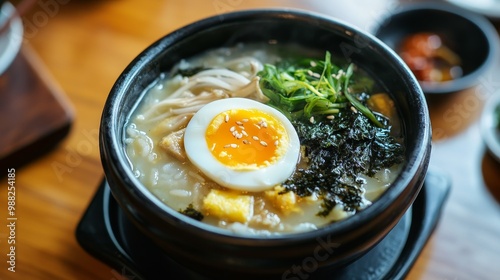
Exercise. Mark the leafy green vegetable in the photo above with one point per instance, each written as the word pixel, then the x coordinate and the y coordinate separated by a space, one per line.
pixel 311 87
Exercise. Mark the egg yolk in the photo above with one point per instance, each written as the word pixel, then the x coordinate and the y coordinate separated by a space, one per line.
pixel 246 139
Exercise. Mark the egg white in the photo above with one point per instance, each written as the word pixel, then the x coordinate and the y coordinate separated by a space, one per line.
pixel 260 179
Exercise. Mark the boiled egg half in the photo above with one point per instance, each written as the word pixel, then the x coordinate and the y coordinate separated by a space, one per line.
pixel 242 144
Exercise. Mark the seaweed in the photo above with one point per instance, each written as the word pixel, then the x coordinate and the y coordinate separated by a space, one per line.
pixel 337 151
pixel 192 213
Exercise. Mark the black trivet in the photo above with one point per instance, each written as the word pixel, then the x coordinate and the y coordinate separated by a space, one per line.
pixel 106 233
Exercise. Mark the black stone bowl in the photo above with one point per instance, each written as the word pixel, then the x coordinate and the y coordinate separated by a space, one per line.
pixel 471 36
pixel 213 251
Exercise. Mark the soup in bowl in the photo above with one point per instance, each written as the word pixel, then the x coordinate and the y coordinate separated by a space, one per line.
pixel 252 151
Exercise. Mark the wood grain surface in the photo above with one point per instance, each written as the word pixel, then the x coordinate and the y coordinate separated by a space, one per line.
pixel 85 45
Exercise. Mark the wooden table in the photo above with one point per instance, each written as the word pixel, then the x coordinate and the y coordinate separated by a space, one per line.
pixel 86 44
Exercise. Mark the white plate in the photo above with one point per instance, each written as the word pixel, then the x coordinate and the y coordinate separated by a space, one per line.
pixel 489 126
pixel 11 39
pixel 489 8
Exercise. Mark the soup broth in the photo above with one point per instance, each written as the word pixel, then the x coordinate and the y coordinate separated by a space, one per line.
pixel 155 141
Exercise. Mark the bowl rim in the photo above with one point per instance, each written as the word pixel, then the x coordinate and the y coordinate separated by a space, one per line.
pixel 482 23
pixel 111 133
pixel 488 9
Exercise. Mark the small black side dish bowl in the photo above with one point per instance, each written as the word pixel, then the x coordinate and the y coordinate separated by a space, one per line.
pixel 471 36
pixel 213 251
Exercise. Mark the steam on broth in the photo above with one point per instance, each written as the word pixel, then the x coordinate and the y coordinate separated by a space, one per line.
pixel 350 149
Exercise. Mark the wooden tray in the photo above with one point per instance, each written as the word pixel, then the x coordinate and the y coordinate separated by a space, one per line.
pixel 34 113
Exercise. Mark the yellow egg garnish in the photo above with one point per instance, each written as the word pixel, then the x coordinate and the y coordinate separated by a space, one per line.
pixel 242 144
pixel 246 138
